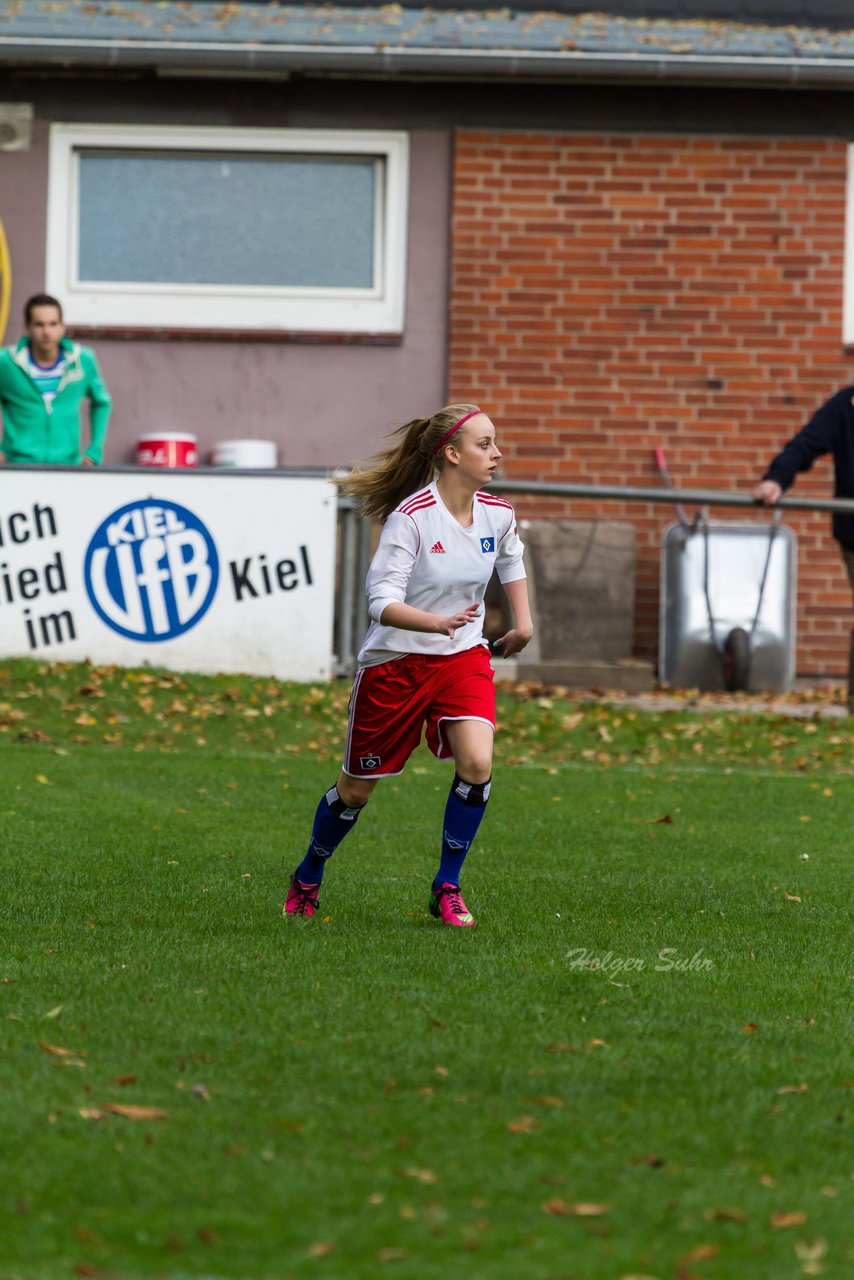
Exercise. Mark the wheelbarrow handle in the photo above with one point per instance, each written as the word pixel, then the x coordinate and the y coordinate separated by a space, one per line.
pixel 661 463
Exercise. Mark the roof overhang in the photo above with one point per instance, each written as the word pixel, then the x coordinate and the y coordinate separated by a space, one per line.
pixel 388 42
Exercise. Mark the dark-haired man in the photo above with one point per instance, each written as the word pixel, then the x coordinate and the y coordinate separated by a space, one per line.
pixel 43 382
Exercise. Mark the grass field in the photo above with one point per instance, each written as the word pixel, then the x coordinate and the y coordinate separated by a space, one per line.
pixel 637 1065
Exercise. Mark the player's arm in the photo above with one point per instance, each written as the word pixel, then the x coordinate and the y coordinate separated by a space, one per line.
pixel 510 567
pixel 514 640
pixel 408 618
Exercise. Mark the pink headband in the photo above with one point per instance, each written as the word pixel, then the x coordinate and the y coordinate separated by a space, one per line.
pixel 446 437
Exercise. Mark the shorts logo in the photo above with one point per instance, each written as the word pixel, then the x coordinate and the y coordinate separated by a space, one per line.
pixel 437 549
pixel 370 762
pixel 151 570
pixel 487 546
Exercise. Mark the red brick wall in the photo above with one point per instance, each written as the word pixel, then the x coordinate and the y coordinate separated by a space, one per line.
pixel 615 292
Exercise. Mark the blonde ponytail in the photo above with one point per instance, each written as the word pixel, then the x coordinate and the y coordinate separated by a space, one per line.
pixel 408 465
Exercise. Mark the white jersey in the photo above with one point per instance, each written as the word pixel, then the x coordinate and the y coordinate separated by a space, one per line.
pixel 427 559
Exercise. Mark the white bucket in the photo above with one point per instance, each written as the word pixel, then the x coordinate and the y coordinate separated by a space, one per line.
pixel 244 453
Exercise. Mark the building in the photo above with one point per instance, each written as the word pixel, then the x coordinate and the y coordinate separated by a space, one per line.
pixel 616 230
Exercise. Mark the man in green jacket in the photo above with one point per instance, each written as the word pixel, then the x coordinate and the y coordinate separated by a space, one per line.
pixel 43 382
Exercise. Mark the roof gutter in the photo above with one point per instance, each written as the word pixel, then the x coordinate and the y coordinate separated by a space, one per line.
pixel 402 62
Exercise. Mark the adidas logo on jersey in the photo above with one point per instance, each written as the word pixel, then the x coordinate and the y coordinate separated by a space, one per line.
pixel 437 549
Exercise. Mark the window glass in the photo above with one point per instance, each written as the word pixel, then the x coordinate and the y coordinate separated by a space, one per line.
pixel 233 220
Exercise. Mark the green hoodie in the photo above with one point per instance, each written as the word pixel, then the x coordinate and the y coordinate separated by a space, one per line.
pixel 36 432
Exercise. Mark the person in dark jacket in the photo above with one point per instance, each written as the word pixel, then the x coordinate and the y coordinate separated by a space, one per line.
pixel 829 430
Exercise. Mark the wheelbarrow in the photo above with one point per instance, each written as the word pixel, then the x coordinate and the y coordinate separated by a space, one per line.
pixel 727 603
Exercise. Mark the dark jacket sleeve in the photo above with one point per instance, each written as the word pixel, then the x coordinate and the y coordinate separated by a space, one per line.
pixel 820 435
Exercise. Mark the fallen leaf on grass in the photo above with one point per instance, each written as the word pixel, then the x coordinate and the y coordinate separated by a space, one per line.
pixel 795 1219
pixel 54 1013
pixel 58 1051
pixel 46 782
pixel 525 1124
pixel 545 1100
pixel 810 1252
pixel 87 1236
pixel 321 1248
pixel 559 1047
pixel 132 1112
pixel 427 1176
pixel 585 1209
pixel 749 1026
pixel 700 1253
pixel 791 897
pixel 725 1215
pixel 803 1087
pixel 126 1080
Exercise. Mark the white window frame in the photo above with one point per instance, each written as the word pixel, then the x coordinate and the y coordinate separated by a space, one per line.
pixel 848 267
pixel 275 309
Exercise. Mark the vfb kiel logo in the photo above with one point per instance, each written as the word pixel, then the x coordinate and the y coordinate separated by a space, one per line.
pixel 151 570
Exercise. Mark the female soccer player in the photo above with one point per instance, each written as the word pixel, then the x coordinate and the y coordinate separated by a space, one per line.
pixel 424 660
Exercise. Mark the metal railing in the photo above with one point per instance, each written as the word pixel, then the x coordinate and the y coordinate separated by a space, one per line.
pixel 669 497
pixel 357 536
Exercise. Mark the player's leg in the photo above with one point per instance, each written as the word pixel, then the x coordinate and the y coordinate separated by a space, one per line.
pixel 471 744
pixel 334 819
pixel 461 724
pixel 380 738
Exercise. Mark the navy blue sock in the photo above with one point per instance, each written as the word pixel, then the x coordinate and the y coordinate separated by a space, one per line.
pixel 463 815
pixel 332 822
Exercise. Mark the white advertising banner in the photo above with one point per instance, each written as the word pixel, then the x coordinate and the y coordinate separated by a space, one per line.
pixel 192 571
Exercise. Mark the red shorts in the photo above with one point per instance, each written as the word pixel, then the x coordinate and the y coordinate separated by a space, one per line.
pixel 391 703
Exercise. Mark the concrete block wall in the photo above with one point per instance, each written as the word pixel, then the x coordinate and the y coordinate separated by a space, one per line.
pixel 614 292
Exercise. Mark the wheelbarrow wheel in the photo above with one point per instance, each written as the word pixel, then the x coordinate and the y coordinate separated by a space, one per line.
pixel 736 660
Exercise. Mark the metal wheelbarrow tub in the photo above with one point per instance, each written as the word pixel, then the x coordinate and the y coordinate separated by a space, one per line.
pixel 728 607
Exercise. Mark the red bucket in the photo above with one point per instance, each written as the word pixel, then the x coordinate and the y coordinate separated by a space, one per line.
pixel 167 449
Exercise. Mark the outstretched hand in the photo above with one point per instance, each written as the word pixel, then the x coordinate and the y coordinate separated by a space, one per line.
pixel 767 492
pixel 447 626
pixel 513 641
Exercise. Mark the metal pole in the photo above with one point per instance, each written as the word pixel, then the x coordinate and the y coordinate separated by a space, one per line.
pixel 363 561
pixel 346 650
pixel 702 497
